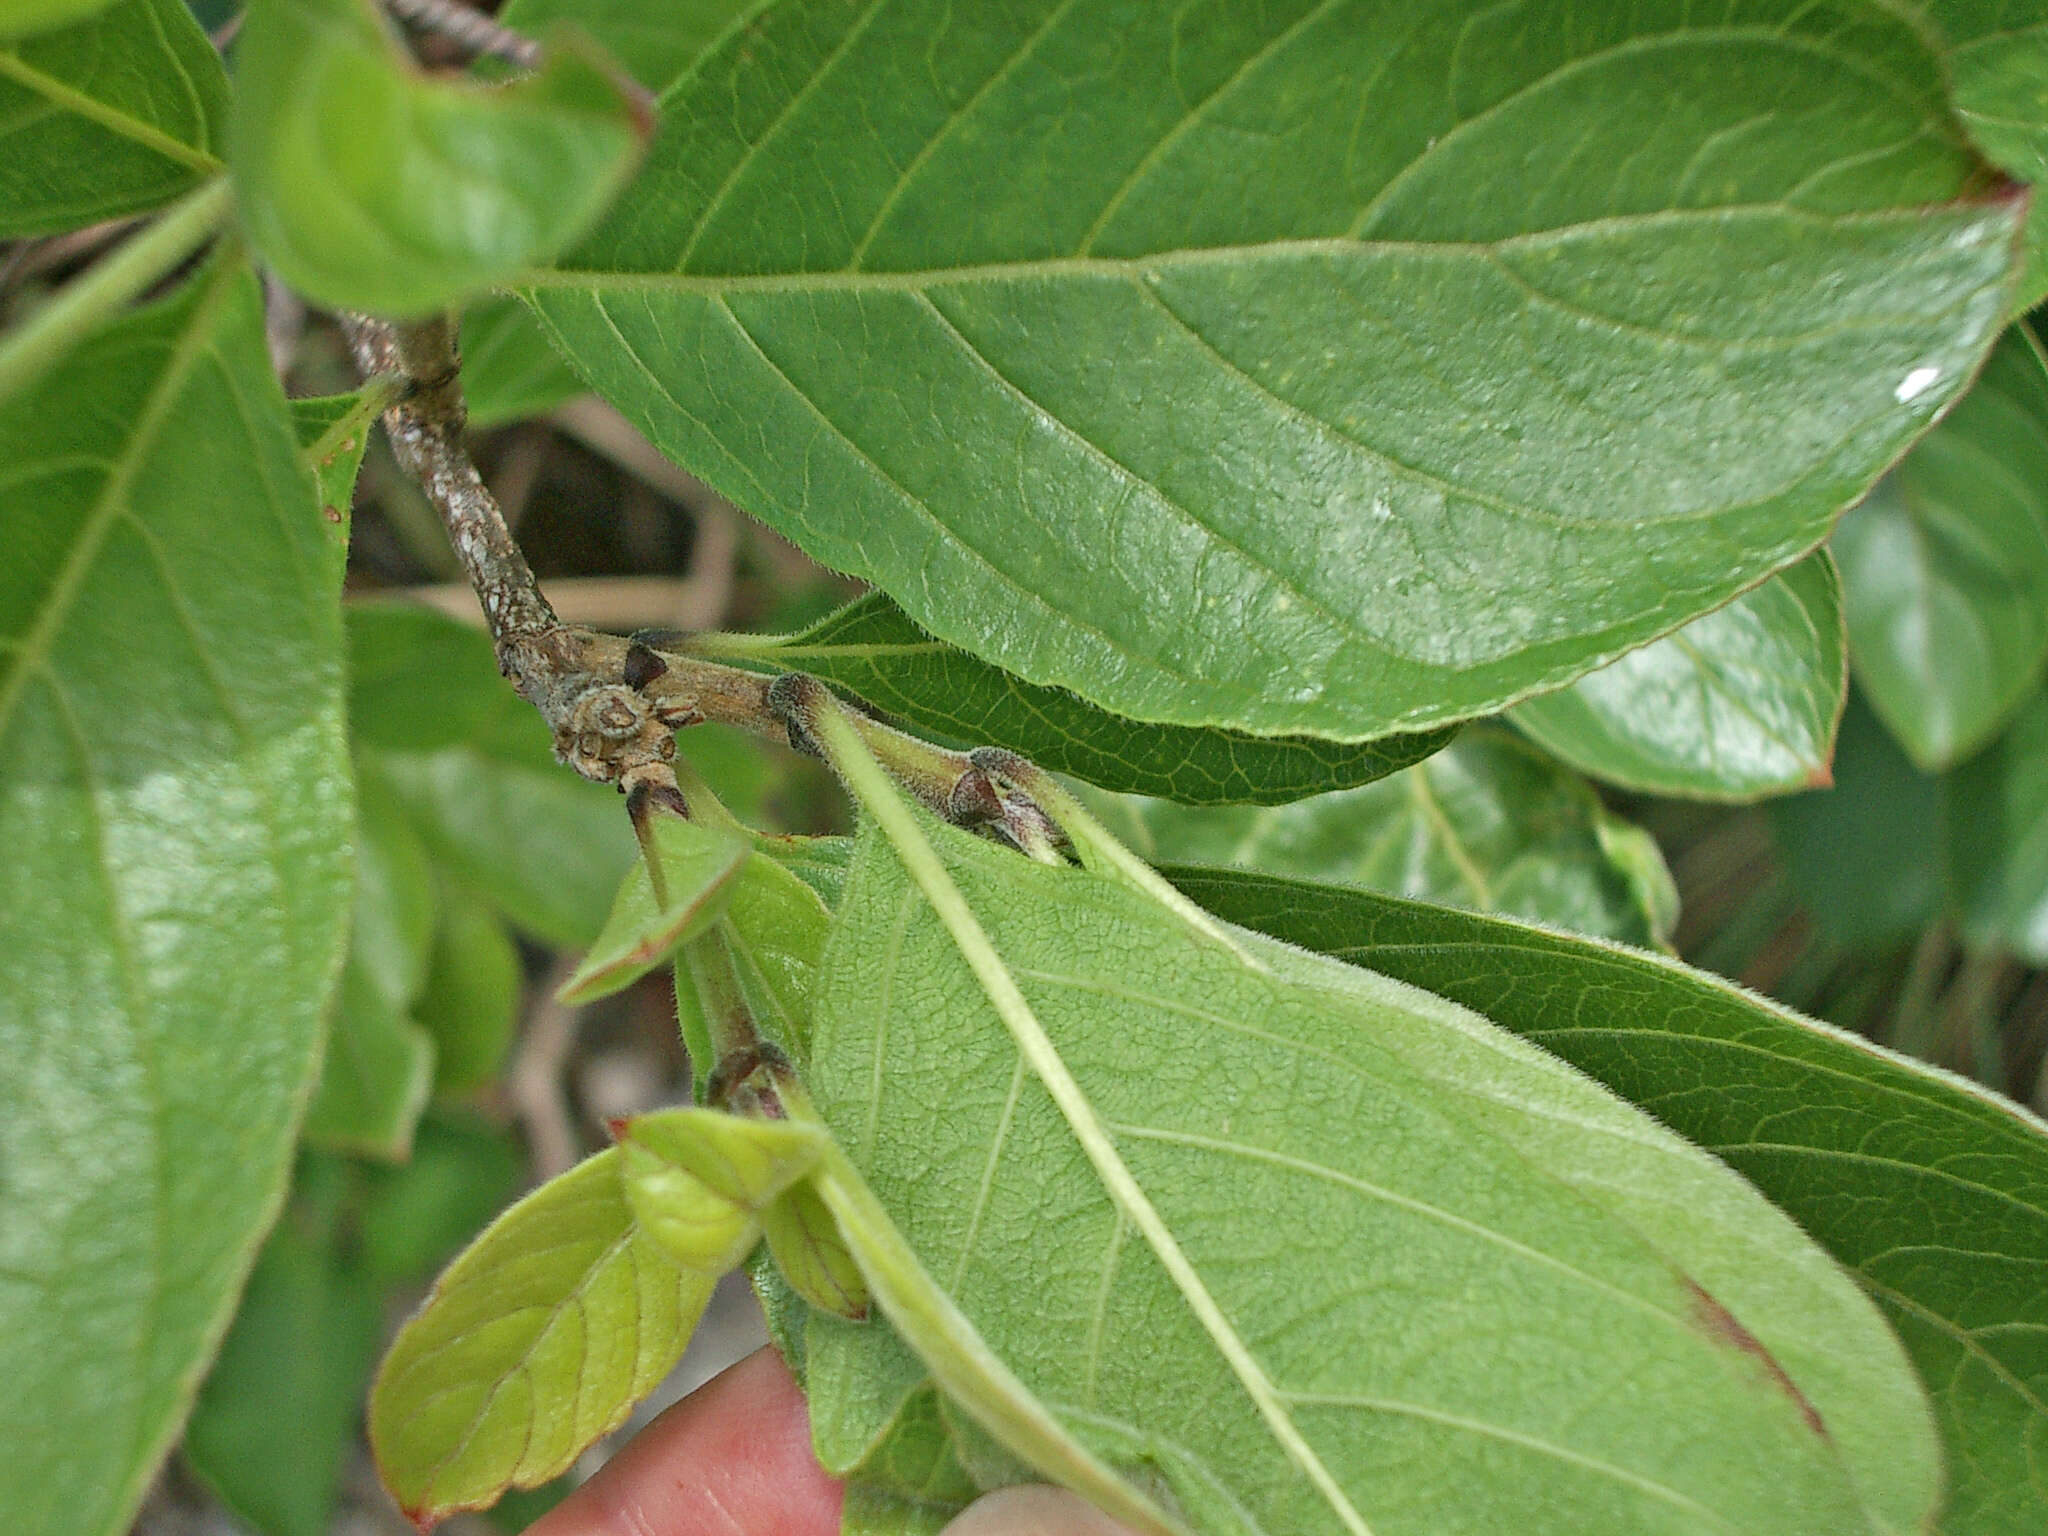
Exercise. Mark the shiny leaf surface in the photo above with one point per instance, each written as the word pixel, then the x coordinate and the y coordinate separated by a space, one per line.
pixel 1736 705
pixel 1324 368
pixel 1946 566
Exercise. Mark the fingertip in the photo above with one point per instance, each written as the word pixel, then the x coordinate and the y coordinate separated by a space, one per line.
pixel 731 1459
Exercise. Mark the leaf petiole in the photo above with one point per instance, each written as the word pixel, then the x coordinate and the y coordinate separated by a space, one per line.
pixel 84 303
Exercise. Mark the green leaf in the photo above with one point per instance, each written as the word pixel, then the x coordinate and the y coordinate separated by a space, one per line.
pixel 1933 1192
pixel 462 1172
pixel 371 185
pixel 469 1003
pixel 698 865
pixel 1946 566
pixel 776 928
pixel 1865 856
pixel 1997 822
pixel 1333 372
pixel 334 431
pixel 1488 822
pixel 474 766
pixel 536 1341
pixel 394 925
pixel 277 1419
pixel 115 114
pixel 1281 1284
pixel 871 649
pixel 26 16
pixel 174 807
pixel 657 43
pixel 1737 705
pixel 509 369
pixel 376 1075
pixel 1997 62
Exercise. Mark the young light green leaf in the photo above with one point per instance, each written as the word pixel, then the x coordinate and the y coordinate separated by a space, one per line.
pixel 174 895
pixel 114 114
pixel 871 648
pixel 472 762
pixel 698 865
pixel 1865 856
pixel 1488 823
pixel 1737 705
pixel 1945 566
pixel 1931 1191
pixel 277 1420
pixel 807 1246
pixel 371 185
pixel 776 932
pixel 469 1002
pixel 1351 374
pixel 536 1341
pixel 334 431
pixel 1198 1308
pixel 1997 837
pixel 376 1074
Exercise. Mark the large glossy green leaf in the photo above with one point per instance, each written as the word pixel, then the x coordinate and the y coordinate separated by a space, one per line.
pixel 174 808
pixel 1736 705
pixel 473 765
pixel 540 1338
pixel 1323 368
pixel 1488 822
pixel 872 649
pixel 1997 816
pixel 116 113
pixel 1946 566
pixel 1308 1250
pixel 1865 854
pixel 1996 56
pixel 371 185
pixel 1933 1192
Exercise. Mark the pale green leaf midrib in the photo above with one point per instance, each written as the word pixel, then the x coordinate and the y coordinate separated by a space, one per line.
pixel 921 862
pixel 32 651
pixel 69 99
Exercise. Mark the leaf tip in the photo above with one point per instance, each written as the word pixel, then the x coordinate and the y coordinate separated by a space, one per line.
pixel 1822 777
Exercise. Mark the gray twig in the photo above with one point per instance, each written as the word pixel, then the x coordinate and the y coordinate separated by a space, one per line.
pixel 469 29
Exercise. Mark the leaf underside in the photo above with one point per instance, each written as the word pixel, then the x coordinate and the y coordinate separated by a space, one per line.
pixel 1374 1236
pixel 1295 332
pixel 1933 1193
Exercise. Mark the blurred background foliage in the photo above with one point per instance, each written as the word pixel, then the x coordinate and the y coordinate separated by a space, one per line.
pixel 1835 792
